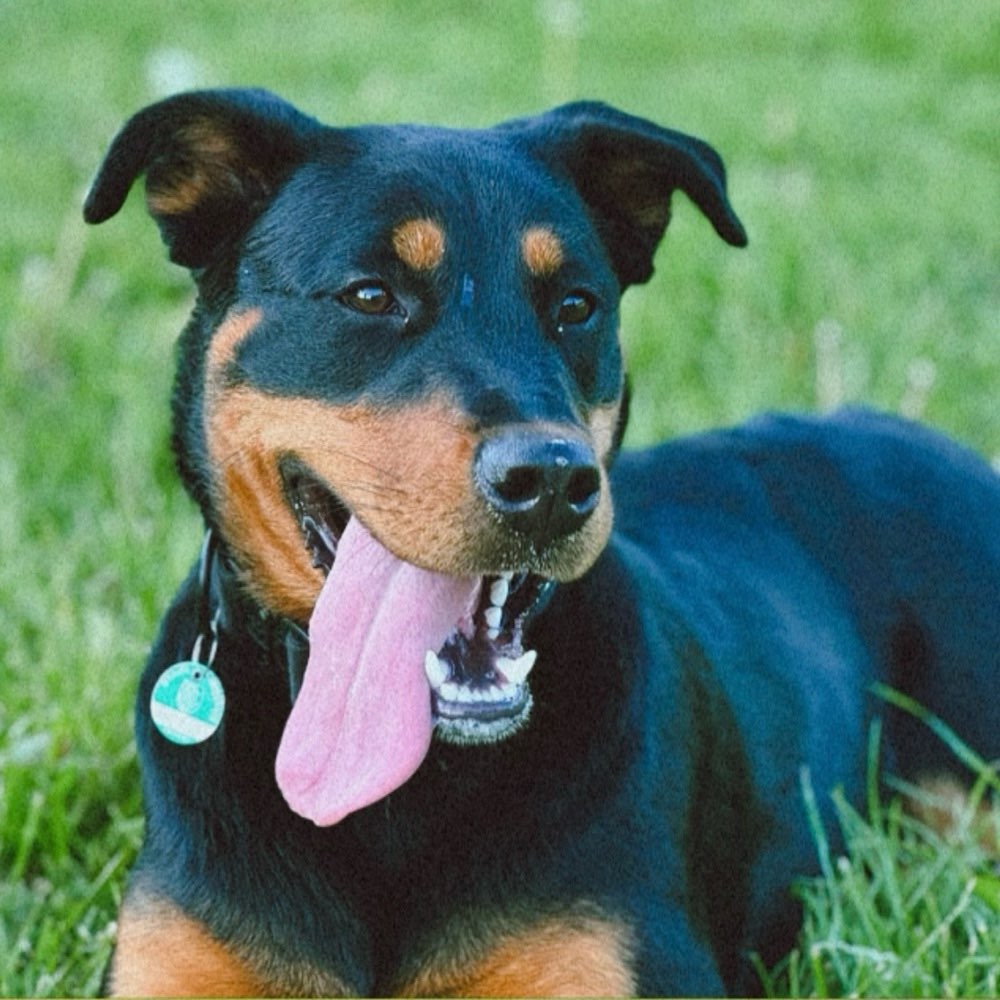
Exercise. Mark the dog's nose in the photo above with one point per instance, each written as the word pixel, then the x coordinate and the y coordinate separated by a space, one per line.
pixel 543 486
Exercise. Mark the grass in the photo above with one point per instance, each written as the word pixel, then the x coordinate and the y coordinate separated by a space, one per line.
pixel 861 146
pixel 905 910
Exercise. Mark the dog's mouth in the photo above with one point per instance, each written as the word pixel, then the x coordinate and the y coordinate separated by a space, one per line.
pixel 478 678
pixel 322 517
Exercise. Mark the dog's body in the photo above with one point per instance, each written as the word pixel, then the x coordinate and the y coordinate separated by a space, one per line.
pixel 405 355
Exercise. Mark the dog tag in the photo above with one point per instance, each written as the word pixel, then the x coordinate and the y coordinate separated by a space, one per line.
pixel 187 703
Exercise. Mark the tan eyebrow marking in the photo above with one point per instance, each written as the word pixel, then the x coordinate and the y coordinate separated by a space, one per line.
pixel 542 251
pixel 419 243
pixel 226 339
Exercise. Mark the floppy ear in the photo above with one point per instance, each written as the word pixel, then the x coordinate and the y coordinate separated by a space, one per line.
pixel 626 169
pixel 212 160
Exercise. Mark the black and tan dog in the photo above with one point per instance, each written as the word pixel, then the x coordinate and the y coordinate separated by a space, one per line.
pixel 535 741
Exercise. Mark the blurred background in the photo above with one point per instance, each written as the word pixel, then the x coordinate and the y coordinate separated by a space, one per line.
pixel 862 150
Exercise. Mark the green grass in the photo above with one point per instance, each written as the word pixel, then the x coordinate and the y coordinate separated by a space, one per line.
pixel 861 145
pixel 905 910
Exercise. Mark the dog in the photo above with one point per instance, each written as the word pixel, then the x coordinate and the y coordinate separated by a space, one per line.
pixel 457 699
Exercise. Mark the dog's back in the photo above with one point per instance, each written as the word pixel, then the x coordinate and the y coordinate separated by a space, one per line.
pixel 873 533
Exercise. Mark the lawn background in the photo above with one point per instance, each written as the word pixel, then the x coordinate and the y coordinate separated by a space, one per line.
pixel 862 149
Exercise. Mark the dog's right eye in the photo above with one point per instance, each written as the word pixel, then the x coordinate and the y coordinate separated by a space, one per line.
pixel 577 307
pixel 369 297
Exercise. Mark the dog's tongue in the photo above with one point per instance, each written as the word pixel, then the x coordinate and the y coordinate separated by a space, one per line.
pixel 362 723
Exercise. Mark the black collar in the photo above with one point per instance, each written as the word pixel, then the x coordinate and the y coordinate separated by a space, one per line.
pixel 224 607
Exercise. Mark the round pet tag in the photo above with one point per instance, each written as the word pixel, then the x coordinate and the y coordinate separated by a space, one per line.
pixel 187 703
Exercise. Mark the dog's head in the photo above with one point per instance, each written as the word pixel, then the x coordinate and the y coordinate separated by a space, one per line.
pixel 407 329
pixel 414 325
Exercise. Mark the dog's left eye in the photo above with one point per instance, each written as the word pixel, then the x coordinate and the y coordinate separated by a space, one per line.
pixel 369 297
pixel 576 307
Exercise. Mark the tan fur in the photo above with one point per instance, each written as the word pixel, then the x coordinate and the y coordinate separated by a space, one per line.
pixel 161 953
pixel 602 422
pixel 944 806
pixel 581 957
pixel 230 334
pixel 542 251
pixel 404 472
pixel 210 164
pixel 419 243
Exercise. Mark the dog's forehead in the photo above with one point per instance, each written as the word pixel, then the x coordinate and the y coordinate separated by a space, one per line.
pixel 448 154
pixel 390 174
pixel 433 198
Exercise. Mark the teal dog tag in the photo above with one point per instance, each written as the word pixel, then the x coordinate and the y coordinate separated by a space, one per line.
pixel 187 703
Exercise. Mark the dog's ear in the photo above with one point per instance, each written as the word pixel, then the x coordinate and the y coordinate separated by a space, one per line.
pixel 626 169
pixel 212 160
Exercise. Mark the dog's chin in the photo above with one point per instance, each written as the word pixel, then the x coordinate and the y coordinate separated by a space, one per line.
pixel 478 678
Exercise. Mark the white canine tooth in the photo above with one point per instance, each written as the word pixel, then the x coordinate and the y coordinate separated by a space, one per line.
pixel 437 672
pixel 499 592
pixel 517 670
pixel 492 633
pixel 508 575
pixel 493 617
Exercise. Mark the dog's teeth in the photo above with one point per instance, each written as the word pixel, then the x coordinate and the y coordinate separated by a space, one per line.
pixel 517 670
pixel 437 672
pixel 450 691
pixel 493 634
pixel 507 576
pixel 493 617
pixel 499 592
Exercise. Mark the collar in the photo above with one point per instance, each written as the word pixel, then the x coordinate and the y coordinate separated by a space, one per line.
pixel 224 608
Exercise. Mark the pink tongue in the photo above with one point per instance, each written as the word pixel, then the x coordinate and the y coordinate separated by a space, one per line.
pixel 361 724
